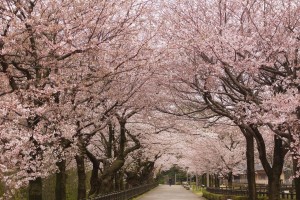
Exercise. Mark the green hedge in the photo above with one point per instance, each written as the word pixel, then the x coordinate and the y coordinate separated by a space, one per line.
pixel 211 196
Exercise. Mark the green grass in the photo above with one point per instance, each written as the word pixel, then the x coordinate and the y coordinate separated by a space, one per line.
pixel 197 191
pixel 211 196
pixel 19 195
pixel 49 187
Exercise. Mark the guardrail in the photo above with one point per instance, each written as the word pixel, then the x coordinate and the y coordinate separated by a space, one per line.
pixel 125 194
pixel 285 193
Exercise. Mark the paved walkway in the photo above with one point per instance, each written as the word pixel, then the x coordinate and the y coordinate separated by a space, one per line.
pixel 166 192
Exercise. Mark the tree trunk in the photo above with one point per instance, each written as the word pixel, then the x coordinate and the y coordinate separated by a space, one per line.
pixel 36 189
pixel 250 166
pixel 106 185
pixel 116 182
pixel 274 187
pixel 217 181
pixel 273 172
pixel 119 181
pixel 229 179
pixel 204 180
pixel 81 189
pixel 109 172
pixel 296 180
pixel 61 179
pixel 211 180
pixel 200 181
pixel 94 182
pixel 274 177
pixel 296 168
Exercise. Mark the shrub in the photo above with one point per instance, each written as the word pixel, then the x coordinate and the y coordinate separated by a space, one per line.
pixel 262 198
pixel 211 196
pixel 239 198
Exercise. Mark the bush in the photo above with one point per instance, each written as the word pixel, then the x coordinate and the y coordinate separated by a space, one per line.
pixel 211 196
pixel 239 198
pixel 262 198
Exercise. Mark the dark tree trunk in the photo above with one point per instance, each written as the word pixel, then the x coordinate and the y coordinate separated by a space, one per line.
pixel 204 180
pixel 109 171
pixel 81 189
pixel 230 179
pixel 296 180
pixel 119 181
pixel 199 180
pixel 275 171
pixel 116 182
pixel 296 168
pixel 61 179
pixel 274 187
pixel 122 139
pixel 36 189
pixel 211 180
pixel 106 185
pixel 250 165
pixel 274 176
pixel 94 182
pixel 217 181
pixel 106 178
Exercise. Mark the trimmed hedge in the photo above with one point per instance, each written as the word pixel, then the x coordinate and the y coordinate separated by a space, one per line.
pixel 211 196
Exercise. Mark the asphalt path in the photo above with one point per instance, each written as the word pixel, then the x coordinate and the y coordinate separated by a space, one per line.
pixel 166 192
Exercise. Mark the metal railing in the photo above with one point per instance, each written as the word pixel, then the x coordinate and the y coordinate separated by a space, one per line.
pixel 285 192
pixel 126 194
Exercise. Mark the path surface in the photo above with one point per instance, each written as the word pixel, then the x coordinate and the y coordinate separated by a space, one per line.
pixel 166 192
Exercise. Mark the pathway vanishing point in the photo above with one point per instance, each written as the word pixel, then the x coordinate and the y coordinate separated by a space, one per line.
pixel 166 192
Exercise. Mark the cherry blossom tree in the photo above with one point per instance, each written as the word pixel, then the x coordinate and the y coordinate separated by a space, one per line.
pixel 86 79
pixel 224 152
pixel 54 57
pixel 233 65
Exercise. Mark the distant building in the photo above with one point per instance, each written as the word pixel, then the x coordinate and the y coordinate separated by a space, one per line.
pixel 262 178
